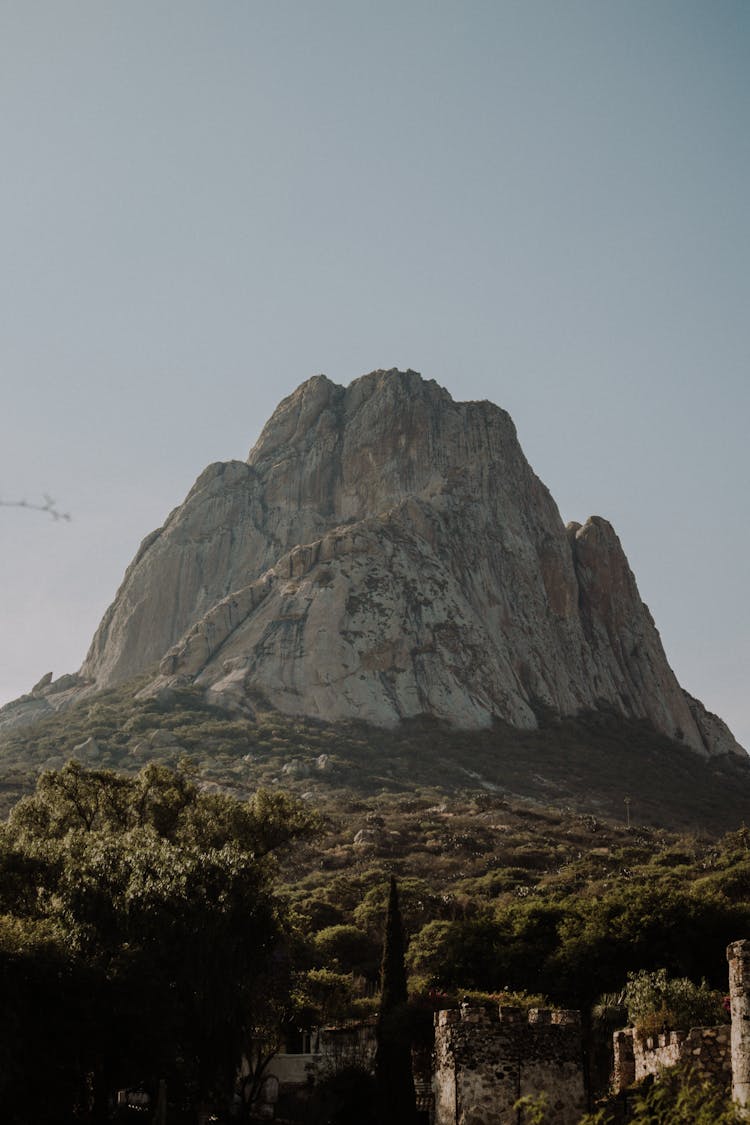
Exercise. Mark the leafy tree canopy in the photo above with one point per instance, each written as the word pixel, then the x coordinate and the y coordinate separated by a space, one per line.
pixel 149 904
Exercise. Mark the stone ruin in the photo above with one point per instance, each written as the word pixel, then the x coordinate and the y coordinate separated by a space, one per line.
pixel 717 1054
pixel 488 1058
pixel 738 955
pixel 484 1060
pixel 705 1049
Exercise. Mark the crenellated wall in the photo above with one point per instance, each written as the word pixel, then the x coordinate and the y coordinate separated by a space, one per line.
pixel 706 1050
pixel 718 1054
pixel 488 1058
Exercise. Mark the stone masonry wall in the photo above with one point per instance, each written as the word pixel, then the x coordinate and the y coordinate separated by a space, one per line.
pixel 721 1054
pixel 705 1049
pixel 486 1059
pixel 738 955
pixel 708 1051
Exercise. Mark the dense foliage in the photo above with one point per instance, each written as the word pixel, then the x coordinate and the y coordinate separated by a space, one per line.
pixel 679 1098
pixel 393 1073
pixel 654 1001
pixel 591 906
pixel 139 939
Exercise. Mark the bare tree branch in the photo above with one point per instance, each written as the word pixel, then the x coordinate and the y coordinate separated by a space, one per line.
pixel 49 506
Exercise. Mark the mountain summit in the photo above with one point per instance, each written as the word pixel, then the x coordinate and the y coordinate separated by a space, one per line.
pixel 386 552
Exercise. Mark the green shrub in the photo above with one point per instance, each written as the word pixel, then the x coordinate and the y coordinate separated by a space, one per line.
pixel 680 1099
pixel 349 949
pixel 327 993
pixel 652 1000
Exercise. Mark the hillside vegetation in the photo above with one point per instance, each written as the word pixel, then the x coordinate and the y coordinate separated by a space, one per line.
pixel 589 764
pixel 523 874
pixel 517 865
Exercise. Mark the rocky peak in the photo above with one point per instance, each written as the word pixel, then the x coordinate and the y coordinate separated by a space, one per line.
pixel 387 552
pixel 351 451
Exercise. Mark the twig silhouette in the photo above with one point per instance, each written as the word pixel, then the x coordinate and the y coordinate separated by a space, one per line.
pixel 49 506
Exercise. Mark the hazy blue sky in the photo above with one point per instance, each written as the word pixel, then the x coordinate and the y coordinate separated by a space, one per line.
pixel 540 203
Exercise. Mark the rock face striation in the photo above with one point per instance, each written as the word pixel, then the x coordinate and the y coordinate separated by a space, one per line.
pixel 387 552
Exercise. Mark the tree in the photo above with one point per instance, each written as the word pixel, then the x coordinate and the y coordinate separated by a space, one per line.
pixel 417 902
pixel 47 1004
pixel 348 949
pixel 393 1073
pixel 154 901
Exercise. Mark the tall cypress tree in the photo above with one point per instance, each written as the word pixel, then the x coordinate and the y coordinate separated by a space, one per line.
pixel 393 1071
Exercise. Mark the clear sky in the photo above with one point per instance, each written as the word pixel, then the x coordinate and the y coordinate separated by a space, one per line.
pixel 543 202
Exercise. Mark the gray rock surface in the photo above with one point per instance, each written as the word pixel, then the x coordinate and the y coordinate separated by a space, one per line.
pixel 386 552
pixel 87 751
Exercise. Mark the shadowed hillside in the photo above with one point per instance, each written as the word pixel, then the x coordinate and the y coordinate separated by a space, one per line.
pixel 590 764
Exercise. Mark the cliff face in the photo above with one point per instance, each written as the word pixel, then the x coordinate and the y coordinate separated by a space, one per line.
pixel 385 552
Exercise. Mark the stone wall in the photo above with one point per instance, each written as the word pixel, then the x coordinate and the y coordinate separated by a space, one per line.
pixel 488 1058
pixel 738 955
pixel 706 1050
